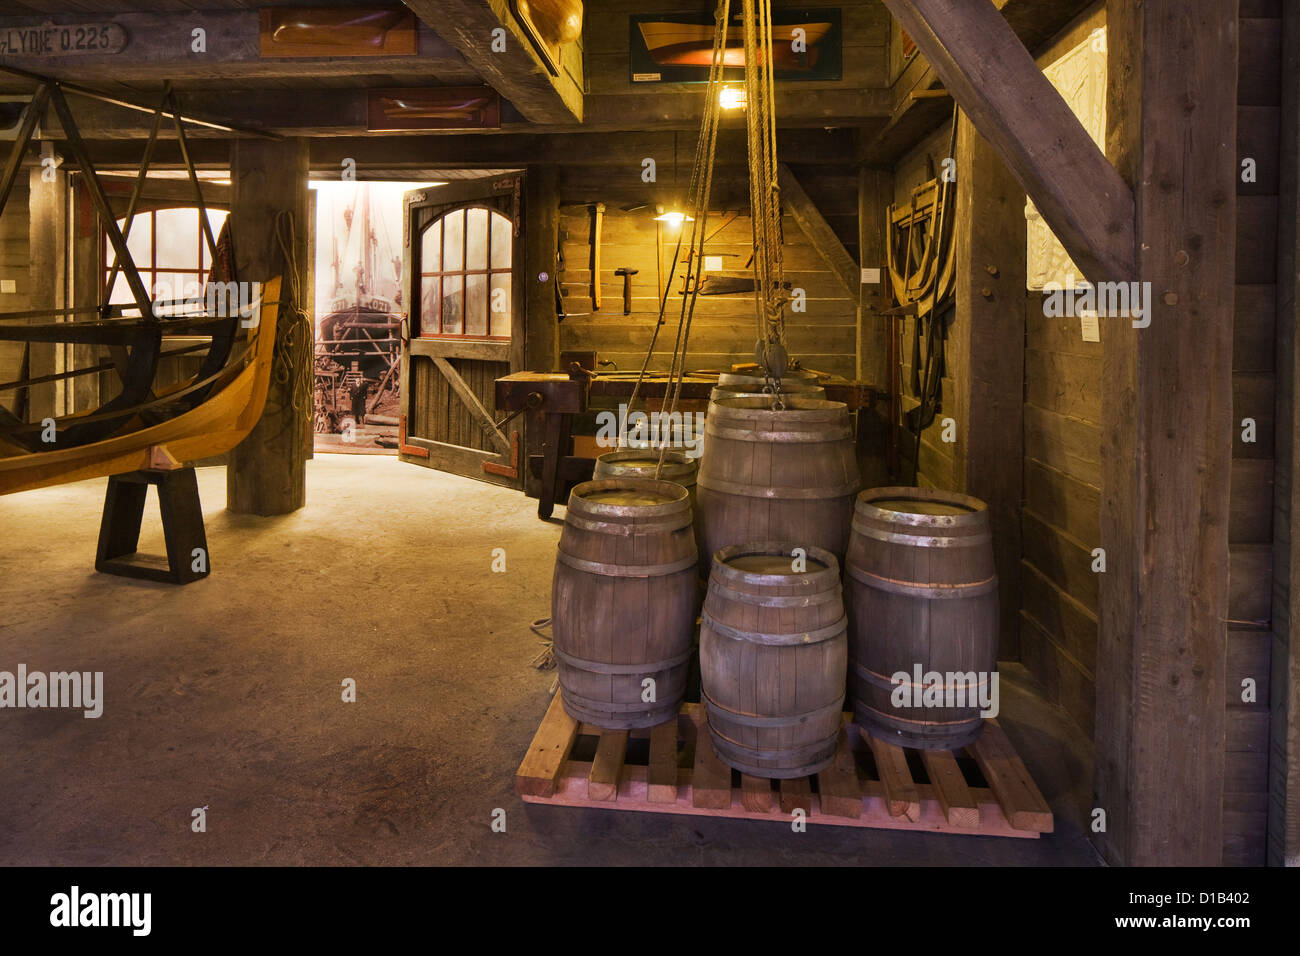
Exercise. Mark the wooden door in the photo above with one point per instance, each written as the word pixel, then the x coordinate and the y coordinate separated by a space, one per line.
pixel 463 282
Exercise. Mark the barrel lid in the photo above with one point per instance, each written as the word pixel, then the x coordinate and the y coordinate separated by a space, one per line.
pixel 748 378
pixel 772 563
pixel 921 506
pixel 799 406
pixel 628 497
pixel 643 458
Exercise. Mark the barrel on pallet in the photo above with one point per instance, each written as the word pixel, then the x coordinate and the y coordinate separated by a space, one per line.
pixel 622 601
pixel 923 615
pixel 773 653
pixel 776 474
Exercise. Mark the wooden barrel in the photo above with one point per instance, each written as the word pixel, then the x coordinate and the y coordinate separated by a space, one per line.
pixel 643 462
pixel 757 391
pixel 743 378
pixel 922 595
pixel 776 475
pixel 773 653
pixel 622 601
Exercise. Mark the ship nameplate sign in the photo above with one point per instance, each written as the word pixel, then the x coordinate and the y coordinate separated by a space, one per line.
pixel 62 39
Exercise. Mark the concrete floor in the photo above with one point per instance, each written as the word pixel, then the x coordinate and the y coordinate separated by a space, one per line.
pixel 226 694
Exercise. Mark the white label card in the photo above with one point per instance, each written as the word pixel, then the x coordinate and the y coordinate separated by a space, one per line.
pixel 713 263
pixel 1091 326
pixel 871 277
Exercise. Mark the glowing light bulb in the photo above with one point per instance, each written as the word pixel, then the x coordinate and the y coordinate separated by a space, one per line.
pixel 732 98
pixel 674 218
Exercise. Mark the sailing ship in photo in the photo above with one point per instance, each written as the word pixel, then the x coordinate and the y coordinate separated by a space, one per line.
pixel 359 315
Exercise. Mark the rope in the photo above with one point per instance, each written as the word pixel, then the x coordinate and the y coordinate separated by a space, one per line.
pixel 702 192
pixel 294 363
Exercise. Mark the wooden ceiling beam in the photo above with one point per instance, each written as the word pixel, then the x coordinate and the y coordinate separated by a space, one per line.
pixel 1015 107
pixel 342 112
pixel 516 72
pixel 812 147
pixel 160 46
pixel 918 110
pixel 814 225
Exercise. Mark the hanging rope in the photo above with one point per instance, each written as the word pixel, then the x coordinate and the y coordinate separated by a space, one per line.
pixel 701 197
pixel 294 363
pixel 699 191
pixel 770 295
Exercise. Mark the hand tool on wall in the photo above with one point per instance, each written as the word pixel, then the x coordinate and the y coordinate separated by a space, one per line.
pixel 597 221
pixel 627 274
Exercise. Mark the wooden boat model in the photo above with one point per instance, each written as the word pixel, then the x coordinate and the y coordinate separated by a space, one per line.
pixel 208 415
pixel 691 44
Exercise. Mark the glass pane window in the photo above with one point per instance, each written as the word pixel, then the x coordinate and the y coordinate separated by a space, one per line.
pixel 465 274
pixel 169 251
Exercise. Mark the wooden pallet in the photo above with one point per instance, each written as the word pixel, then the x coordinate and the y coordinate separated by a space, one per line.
pixel 984 790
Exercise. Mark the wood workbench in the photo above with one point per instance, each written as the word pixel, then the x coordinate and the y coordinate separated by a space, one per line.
pixel 552 399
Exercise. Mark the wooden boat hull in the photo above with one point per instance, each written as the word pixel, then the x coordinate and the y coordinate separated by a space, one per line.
pixel 691 44
pixel 212 428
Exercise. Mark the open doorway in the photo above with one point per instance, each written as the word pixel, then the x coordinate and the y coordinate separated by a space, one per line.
pixel 358 314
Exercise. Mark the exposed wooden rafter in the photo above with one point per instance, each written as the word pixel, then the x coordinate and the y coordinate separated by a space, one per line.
pixel 516 72
pixel 819 232
pixel 1015 107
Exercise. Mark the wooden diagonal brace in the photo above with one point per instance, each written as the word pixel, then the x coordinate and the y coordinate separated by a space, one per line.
pixel 1015 107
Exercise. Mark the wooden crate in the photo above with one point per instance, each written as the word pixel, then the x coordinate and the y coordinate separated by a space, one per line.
pixel 983 790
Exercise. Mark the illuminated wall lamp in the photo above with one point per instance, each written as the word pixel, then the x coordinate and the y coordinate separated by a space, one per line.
pixel 732 98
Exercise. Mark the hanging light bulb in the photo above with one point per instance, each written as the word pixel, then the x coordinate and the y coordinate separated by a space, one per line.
pixel 732 98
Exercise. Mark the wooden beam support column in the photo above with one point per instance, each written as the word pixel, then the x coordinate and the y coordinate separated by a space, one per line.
pixel 542 327
pixel 994 79
pixel 515 71
pixel 47 245
pixel 989 243
pixel 1167 429
pixel 267 472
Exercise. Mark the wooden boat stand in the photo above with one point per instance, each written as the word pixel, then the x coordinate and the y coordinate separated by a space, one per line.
pixel 182 519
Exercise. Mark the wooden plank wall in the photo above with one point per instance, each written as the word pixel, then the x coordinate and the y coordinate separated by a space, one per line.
pixel 1245 797
pixel 1060 521
pixel 15 256
pixel 723 331
pixel 937 464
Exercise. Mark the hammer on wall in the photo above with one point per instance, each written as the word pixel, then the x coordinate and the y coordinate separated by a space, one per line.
pixel 627 275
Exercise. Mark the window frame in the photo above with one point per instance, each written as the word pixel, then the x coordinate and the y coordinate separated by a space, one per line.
pixel 463 273
pixel 149 271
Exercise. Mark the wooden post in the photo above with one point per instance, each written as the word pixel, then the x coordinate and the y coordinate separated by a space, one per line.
pixel 542 328
pixel 87 283
pixel 989 243
pixel 1167 428
pixel 1284 694
pixel 267 471
pixel 47 245
pixel 875 192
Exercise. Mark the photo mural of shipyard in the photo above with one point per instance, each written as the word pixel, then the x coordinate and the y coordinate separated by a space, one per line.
pixel 358 315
